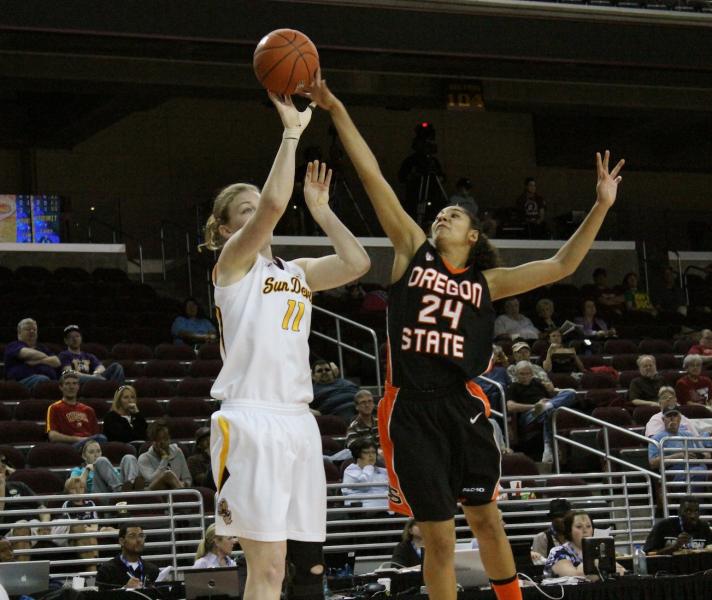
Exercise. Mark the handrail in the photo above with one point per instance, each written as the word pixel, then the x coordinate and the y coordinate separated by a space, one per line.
pixel 503 413
pixel 122 234
pixel 188 253
pixel 343 345
pixel 684 279
pixel 686 461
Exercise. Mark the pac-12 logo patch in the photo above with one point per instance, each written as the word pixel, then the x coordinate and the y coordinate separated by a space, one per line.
pixel 224 511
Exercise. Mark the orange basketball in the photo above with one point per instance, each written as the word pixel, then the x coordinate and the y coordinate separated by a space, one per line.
pixel 285 60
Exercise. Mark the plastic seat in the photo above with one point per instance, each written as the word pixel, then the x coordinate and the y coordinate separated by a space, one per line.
pixel 209 352
pixel 71 274
pixel 566 482
pixel 682 346
pixel 566 421
pixel 98 350
pixel 667 361
pixel 98 389
pixel 593 381
pixel 5 412
pixel 205 368
pixel 626 377
pixel 695 411
pixel 101 406
pixel 32 409
pixel 625 362
pixel 650 346
pixel 109 275
pixel 592 360
pixel 564 381
pixel 48 390
pixel 115 451
pixel 208 496
pixel 13 457
pixel 620 347
pixel 580 461
pixel 174 352
pixel 329 445
pixel 539 348
pixel 195 387
pixel 150 408
pixel 13 390
pixel 147 387
pixel 190 407
pixel 613 415
pixel 164 368
pixel 330 425
pixel 151 336
pixel 132 351
pixel 618 439
pixel 41 481
pixel 35 274
pixel 182 428
pixel 601 397
pixel 53 454
pixel 331 472
pixel 518 464
pixel 643 413
pixel 21 432
pixel 671 376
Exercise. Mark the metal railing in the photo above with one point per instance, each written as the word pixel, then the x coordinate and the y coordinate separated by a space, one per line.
pixel 188 257
pixel 173 526
pixel 341 345
pixel 621 501
pixel 116 235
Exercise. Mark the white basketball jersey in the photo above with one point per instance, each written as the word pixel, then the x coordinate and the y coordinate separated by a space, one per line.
pixel 264 328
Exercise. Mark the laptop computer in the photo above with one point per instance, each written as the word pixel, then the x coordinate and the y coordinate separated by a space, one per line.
pixel 26 577
pixel 221 582
pixel 469 570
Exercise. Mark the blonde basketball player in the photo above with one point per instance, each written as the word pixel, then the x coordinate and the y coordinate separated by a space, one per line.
pixel 265 444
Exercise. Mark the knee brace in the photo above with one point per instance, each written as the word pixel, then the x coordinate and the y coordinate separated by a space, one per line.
pixel 305 570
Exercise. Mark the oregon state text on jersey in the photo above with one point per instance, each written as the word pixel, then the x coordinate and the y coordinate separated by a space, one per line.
pixel 440 324
pixel 264 328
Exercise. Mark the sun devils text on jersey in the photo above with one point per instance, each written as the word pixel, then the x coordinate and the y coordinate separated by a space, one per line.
pixel 440 324
pixel 264 328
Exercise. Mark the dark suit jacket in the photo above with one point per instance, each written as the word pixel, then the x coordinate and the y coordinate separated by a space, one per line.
pixel 405 555
pixel 112 574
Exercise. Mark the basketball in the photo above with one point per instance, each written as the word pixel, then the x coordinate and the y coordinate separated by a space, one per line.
pixel 285 61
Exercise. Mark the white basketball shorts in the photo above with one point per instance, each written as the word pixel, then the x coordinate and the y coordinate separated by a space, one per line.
pixel 268 465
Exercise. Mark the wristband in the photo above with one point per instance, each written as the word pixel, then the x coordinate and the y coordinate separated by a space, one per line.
pixel 292 133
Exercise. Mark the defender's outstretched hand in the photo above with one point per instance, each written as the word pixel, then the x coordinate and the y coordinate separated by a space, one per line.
pixel 316 186
pixel 320 94
pixel 291 117
pixel 607 185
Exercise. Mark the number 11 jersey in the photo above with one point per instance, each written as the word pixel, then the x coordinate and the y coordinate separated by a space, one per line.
pixel 264 322
pixel 440 324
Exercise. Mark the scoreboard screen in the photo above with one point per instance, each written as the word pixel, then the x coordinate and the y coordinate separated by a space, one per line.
pixel 28 218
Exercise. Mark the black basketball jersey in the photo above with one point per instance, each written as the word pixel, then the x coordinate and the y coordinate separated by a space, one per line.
pixel 440 324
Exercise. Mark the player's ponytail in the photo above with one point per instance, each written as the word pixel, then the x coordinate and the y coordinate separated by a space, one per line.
pixel 220 214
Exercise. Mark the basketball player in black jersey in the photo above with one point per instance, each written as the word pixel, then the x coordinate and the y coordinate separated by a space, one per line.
pixel 437 441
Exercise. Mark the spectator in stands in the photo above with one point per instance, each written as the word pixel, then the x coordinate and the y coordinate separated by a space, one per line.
pixel 644 389
pixel 666 399
pixel 591 326
pixel 365 424
pixel 13 490
pixel 670 298
pixel 100 476
pixel 532 402
pixel 693 449
pixel 545 320
pixel 609 301
pixel 364 470
pixel 522 351
pixel 693 387
pixel 559 358
pixel 199 462
pixel 636 300
pixel 703 348
pixel 27 361
pixel 512 324
pixel 86 364
pixel 409 551
pixel 332 395
pixel 192 327
pixel 128 570
pixel 566 560
pixel 80 528
pixel 214 550
pixel 532 207
pixel 544 541
pixel 124 422
pixel 6 552
pixel 69 420
pixel 74 486
pixel 462 195
pixel 163 465
pixel 488 223
pixel 682 532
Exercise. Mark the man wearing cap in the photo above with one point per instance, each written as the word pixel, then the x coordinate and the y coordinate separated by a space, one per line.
pixel 522 351
pixel 86 364
pixel 667 398
pixel 544 541
pixel 199 461
pixel 671 420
